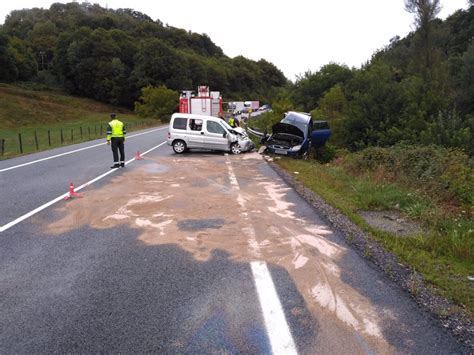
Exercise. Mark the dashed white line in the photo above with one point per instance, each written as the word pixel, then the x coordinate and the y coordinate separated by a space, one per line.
pixel 59 198
pixel 278 332
pixel 275 321
pixel 76 150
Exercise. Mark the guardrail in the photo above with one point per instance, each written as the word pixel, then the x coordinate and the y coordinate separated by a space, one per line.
pixel 255 133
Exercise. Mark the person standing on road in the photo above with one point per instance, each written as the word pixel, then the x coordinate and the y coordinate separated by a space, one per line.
pixel 233 122
pixel 116 134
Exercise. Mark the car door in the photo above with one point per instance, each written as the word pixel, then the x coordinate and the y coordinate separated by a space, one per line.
pixel 215 136
pixel 195 133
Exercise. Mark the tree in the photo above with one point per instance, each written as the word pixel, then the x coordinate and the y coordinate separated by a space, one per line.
pixel 24 59
pixel 8 69
pixel 425 12
pixel 43 39
pixel 332 105
pixel 312 86
pixel 156 102
pixel 157 63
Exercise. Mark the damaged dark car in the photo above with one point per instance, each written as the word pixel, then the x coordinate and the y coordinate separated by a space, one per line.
pixel 291 136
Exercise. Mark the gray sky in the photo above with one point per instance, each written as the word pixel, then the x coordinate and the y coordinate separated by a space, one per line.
pixel 296 35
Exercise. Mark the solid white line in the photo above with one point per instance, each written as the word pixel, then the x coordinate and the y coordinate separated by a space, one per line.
pixel 275 321
pixel 59 198
pixel 76 150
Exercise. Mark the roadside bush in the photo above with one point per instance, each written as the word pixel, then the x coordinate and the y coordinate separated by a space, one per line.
pixel 443 173
pixel 325 154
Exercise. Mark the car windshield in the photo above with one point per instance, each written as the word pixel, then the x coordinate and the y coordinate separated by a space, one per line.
pixel 226 125
pixel 302 126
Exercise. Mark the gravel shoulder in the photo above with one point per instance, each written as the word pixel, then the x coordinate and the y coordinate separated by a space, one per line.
pixel 450 316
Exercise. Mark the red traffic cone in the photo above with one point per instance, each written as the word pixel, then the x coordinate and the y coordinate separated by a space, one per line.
pixel 138 156
pixel 72 193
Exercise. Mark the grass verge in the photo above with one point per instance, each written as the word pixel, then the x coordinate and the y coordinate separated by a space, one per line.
pixel 48 119
pixel 442 253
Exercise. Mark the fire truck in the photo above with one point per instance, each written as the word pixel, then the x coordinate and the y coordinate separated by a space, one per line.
pixel 208 103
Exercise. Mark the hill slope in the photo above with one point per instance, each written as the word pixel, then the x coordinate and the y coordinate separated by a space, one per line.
pixel 54 118
pixel 109 55
pixel 21 107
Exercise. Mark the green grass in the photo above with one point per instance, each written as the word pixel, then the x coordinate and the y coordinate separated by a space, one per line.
pixel 25 111
pixel 443 253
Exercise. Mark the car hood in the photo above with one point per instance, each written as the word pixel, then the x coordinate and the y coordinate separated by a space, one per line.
pixel 288 129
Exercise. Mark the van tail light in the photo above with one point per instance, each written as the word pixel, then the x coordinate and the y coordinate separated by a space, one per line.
pixel 169 135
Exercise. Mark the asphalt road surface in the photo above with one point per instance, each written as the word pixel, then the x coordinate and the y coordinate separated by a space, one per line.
pixel 195 253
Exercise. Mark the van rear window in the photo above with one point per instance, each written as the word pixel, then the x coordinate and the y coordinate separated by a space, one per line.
pixel 180 123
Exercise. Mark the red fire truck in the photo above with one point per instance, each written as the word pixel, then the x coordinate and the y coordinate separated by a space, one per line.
pixel 206 102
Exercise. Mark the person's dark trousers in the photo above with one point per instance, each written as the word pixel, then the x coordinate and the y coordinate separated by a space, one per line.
pixel 118 144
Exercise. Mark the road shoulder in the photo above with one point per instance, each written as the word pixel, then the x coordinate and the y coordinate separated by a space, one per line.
pixel 449 316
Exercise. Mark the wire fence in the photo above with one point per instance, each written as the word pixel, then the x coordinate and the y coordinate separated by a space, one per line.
pixel 35 140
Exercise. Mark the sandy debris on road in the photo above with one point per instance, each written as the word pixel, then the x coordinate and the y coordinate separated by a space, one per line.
pixel 190 201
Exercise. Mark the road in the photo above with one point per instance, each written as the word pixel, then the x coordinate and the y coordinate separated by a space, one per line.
pixel 195 253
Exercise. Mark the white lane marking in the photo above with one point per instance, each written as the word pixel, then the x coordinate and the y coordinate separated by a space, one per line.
pixel 59 198
pixel 275 321
pixel 76 150
pixel 232 178
pixel 249 231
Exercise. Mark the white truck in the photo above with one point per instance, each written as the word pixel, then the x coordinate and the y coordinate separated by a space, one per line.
pixel 236 106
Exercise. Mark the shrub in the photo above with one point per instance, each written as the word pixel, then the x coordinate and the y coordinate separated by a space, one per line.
pixel 156 102
pixel 325 154
pixel 441 172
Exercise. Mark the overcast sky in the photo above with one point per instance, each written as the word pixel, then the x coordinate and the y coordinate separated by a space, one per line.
pixel 295 35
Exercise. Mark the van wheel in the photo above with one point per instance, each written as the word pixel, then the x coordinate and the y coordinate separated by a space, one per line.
pixel 235 148
pixel 179 147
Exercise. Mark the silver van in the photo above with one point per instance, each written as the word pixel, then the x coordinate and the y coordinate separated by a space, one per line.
pixel 188 131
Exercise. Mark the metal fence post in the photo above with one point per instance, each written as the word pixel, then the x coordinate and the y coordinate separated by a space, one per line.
pixel 89 131
pixel 49 137
pixel 36 141
pixel 101 129
pixel 95 130
pixel 72 134
pixel 2 146
pixel 21 144
pixel 62 137
pixel 80 129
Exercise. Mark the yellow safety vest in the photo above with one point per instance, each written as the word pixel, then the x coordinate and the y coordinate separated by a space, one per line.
pixel 232 122
pixel 115 129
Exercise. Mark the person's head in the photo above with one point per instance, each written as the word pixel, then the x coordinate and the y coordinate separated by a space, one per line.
pixel 113 115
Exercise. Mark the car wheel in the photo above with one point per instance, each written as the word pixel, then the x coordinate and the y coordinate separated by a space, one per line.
pixel 179 147
pixel 235 148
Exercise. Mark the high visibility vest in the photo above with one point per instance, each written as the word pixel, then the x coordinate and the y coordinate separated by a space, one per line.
pixel 116 129
pixel 232 122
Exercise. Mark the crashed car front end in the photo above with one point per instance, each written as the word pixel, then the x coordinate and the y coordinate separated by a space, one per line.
pixel 245 143
pixel 287 140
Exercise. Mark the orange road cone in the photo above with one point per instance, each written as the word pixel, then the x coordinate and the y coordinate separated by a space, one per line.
pixel 72 193
pixel 138 156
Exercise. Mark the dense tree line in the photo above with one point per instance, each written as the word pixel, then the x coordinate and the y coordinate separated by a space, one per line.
pixel 110 55
pixel 417 90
